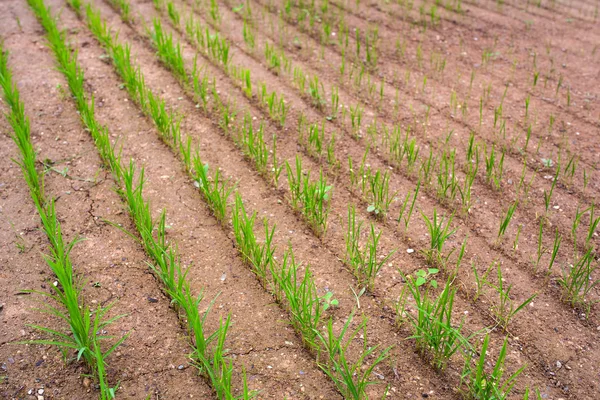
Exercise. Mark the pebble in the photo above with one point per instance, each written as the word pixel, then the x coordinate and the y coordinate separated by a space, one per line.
pixel 181 367
pixel 410 251
pixel 558 365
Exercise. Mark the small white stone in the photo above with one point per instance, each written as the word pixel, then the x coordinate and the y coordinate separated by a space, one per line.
pixel 410 251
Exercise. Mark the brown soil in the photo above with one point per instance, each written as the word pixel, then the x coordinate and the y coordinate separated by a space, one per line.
pixel 558 344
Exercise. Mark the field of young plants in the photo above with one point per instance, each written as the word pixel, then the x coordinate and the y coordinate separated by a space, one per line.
pixel 299 199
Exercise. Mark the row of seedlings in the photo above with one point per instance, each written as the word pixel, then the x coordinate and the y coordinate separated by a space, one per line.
pixel 208 348
pixel 305 307
pixel 84 324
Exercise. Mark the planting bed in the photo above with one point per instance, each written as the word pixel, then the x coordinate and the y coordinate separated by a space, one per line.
pixel 300 199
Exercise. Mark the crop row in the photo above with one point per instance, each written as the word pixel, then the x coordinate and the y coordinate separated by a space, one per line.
pixel 436 337
pixel 262 251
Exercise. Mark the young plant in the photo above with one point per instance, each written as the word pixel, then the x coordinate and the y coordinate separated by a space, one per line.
pixel 494 168
pixel 593 225
pixel 351 379
pixel 439 232
pixel 548 195
pixel 313 199
pixel 480 280
pixel 436 338
pixel 252 143
pixel 555 248
pixel 379 193
pixel 477 383
pixel 410 209
pixel 505 309
pixel 577 281
pixel 168 52
pixel 365 263
pixel 301 299
pixel 316 92
pixel 216 191
pixel 209 354
pixel 505 221
pixel 259 257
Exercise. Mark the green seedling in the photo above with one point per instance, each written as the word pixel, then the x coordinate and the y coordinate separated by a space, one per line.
pixel 208 351
pixel 476 383
pixel 216 191
pixel 505 310
pixel 480 280
pixel 351 379
pixel 168 52
pixel 305 306
pixel 439 232
pixel 424 277
pixel 313 199
pixel 593 225
pixel 410 209
pixel 327 301
pixel 505 221
pixel 379 193
pixel 577 281
pixel 365 263
pixel 548 195
pixel 436 339
pixel 259 257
